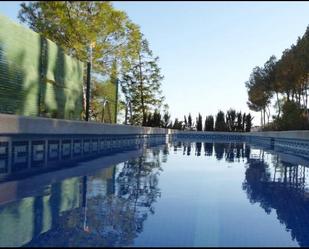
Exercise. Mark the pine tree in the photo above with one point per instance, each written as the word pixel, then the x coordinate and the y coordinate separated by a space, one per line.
pixel 143 83
pixel 230 120
pixel 185 122
pixel 199 123
pixel 166 117
pixel 220 124
pixel 209 123
pixel 239 122
pixel 248 123
pixel 189 121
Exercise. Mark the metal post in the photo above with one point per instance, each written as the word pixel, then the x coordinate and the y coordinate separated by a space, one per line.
pixel 88 90
pixel 88 86
pixel 116 104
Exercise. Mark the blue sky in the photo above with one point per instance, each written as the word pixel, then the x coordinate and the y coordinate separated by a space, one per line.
pixel 208 49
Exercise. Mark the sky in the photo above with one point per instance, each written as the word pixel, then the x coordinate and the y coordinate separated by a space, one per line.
pixel 207 50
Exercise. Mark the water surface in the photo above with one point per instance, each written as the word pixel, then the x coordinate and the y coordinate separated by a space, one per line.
pixel 185 193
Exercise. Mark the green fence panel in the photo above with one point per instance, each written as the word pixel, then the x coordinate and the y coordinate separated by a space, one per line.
pixel 36 77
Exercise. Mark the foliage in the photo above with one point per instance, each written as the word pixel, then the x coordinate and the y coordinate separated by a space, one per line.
pixel 190 122
pixel 166 122
pixel 231 120
pixel 287 80
pixel 80 27
pixel 209 123
pixel 141 84
pixel 220 124
pixel 248 123
pixel 293 117
pixel 76 25
pixel 177 125
pixel 199 123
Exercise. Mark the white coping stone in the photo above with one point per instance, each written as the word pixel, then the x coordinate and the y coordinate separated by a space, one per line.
pixel 15 124
pixel 297 134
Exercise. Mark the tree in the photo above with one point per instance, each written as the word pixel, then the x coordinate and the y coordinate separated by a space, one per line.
pixel 239 123
pixel 293 117
pixel 75 25
pixel 259 93
pixel 287 79
pixel 177 125
pixel 230 119
pixel 185 122
pixel 166 117
pixel 142 83
pixel 220 124
pixel 248 123
pixel 199 123
pixel 209 123
pixel 78 25
pixel 243 125
pixel 190 121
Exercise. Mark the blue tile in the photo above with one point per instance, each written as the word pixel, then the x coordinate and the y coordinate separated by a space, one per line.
pixel 77 147
pixel 4 155
pixel 66 149
pixel 19 155
pixel 53 150
pixel 37 153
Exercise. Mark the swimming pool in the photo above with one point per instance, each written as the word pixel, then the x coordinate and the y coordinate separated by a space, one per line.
pixel 182 193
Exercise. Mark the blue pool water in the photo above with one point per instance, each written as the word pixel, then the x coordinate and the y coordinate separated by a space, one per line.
pixel 184 193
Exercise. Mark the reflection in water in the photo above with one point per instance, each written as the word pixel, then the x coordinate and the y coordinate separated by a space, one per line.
pixel 231 152
pixel 110 207
pixel 280 186
pixel 278 183
pixel 107 210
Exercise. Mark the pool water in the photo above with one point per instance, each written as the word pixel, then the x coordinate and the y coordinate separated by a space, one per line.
pixel 184 193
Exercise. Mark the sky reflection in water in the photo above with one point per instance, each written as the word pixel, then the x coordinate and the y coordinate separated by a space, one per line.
pixel 182 194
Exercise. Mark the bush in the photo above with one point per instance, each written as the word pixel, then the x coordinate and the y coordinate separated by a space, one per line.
pixel 293 118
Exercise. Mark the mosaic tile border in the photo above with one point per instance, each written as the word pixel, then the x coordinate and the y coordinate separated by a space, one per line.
pixel 19 153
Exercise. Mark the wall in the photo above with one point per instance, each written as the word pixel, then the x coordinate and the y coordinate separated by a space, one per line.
pixel 36 77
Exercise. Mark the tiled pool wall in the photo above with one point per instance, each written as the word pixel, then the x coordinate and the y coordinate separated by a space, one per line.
pixel 36 143
pixel 20 153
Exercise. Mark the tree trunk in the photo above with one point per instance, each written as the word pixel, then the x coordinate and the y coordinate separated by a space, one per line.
pixel 141 87
pixel 278 103
pixel 126 114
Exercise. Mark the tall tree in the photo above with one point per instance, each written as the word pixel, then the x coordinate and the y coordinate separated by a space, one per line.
pixel 75 25
pixel 248 123
pixel 220 124
pixel 185 122
pixel 190 121
pixel 81 26
pixel 199 123
pixel 177 125
pixel 209 123
pixel 166 117
pixel 230 119
pixel 239 122
pixel 259 93
pixel 142 83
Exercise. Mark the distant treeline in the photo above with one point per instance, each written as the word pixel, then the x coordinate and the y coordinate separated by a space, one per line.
pixel 232 121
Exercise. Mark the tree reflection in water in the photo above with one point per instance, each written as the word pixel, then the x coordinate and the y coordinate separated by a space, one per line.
pixel 120 198
pixel 116 208
pixel 231 152
pixel 282 187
